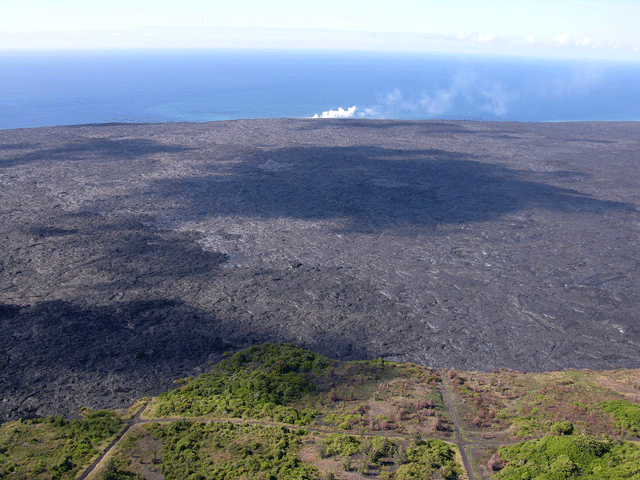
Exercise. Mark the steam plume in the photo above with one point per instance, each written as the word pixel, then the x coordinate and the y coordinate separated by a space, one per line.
pixel 340 113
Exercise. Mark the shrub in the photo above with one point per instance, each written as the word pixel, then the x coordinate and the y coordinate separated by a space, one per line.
pixel 559 457
pixel 282 358
pixel 563 465
pixel 427 457
pixel 562 428
pixel 228 451
pixel 260 381
pixel 626 414
pixel 342 445
pixel 590 445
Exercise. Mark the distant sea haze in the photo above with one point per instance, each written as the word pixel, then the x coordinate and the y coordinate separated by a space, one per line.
pixel 69 88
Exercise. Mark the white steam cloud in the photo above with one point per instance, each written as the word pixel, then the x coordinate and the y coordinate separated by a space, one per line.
pixel 340 113
pixel 465 89
pixel 476 93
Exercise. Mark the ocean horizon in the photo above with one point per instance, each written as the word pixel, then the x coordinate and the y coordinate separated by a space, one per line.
pixel 143 86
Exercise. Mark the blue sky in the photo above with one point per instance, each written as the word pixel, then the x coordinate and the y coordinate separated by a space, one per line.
pixel 604 29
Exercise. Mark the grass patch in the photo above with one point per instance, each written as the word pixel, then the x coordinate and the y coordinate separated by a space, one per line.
pixel 627 416
pixel 53 447
pixel 200 450
pixel 583 456
pixel 529 404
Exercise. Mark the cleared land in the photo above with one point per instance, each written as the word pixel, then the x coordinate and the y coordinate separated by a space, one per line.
pixel 135 254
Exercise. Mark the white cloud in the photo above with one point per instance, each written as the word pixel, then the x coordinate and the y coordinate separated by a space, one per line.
pixel 586 41
pixel 597 43
pixel 466 41
pixel 463 35
pixel 340 113
pixel 489 37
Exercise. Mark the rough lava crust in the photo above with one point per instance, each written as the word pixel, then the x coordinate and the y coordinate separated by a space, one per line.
pixel 135 254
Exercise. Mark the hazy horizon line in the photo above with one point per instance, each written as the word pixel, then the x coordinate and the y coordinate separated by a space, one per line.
pixel 296 39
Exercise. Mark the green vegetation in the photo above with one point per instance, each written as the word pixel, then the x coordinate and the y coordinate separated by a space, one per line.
pixel 259 382
pixel 379 450
pixel 199 450
pixel 425 458
pixel 227 451
pixel 341 445
pixel 282 357
pixel 421 460
pixel 627 415
pixel 285 383
pixel 530 404
pixel 387 408
pixel 53 447
pixel 557 458
pixel 562 428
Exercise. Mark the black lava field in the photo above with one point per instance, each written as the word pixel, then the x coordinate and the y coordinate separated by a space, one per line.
pixel 133 255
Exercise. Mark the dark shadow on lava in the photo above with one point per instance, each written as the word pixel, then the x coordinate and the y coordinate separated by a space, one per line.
pixel 418 127
pixel 16 146
pixel 61 334
pixel 111 124
pixel 62 353
pixel 141 334
pixel 253 305
pixel 170 270
pixel 102 149
pixel 59 353
pixel 134 255
pixel 376 188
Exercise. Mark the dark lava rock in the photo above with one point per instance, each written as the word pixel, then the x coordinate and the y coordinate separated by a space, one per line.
pixel 136 254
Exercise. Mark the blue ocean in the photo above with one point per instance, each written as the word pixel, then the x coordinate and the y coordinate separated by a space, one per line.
pixel 68 88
